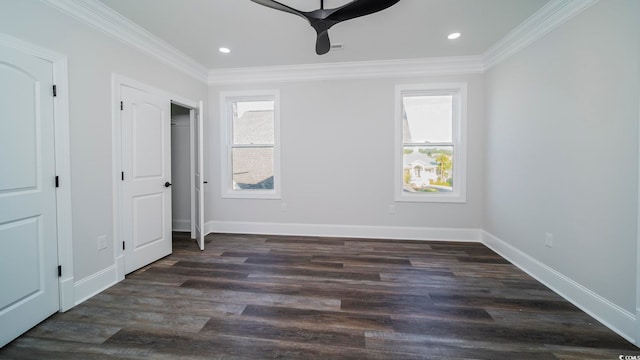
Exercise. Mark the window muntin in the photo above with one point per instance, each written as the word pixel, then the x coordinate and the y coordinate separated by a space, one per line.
pixel 430 136
pixel 250 154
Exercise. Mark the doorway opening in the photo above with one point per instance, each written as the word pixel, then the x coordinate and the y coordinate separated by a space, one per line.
pixel 181 169
pixel 36 249
pixel 145 182
pixel 186 171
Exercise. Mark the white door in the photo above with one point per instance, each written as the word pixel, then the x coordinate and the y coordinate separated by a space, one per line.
pixel 28 241
pixel 199 197
pixel 146 184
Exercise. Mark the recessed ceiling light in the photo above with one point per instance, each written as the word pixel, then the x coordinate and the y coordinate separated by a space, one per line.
pixel 454 36
pixel 224 50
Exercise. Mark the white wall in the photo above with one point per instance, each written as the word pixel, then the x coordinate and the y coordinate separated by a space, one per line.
pixel 93 57
pixel 181 173
pixel 562 150
pixel 337 141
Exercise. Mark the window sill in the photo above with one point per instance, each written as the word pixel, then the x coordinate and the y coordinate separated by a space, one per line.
pixel 431 198
pixel 251 194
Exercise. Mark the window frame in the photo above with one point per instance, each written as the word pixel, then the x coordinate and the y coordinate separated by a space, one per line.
pixel 227 98
pixel 459 141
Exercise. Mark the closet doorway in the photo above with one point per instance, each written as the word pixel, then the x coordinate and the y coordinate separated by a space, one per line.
pixel 186 171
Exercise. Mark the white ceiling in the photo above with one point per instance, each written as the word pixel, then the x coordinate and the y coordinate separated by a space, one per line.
pixel 259 36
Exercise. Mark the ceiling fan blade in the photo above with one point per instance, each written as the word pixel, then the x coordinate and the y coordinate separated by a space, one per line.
pixel 278 6
pixel 359 8
pixel 323 44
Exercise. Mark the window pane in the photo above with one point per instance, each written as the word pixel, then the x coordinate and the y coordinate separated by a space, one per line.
pixel 252 168
pixel 427 169
pixel 427 118
pixel 253 122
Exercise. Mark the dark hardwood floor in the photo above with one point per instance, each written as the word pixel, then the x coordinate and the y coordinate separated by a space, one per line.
pixel 262 297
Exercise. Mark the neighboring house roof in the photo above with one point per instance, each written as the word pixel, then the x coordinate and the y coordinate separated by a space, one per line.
pixel 254 127
pixel 406 130
pixel 253 167
pixel 416 157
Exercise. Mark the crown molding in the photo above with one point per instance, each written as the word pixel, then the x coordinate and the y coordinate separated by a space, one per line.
pixel 103 18
pixel 550 16
pixel 348 70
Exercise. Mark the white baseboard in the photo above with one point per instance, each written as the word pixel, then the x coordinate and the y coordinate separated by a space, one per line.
pixel 67 290
pixel 181 225
pixel 617 319
pixel 120 268
pixel 350 231
pixel 94 284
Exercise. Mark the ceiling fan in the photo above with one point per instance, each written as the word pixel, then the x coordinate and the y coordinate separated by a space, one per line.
pixel 323 19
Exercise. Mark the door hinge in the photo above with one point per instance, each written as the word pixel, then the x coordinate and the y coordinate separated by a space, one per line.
pixel 55 91
pixel 59 270
pixel 57 181
pixel 121 105
pixel 123 245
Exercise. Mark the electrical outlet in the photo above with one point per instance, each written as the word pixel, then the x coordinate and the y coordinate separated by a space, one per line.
pixel 548 240
pixel 392 209
pixel 102 242
pixel 283 207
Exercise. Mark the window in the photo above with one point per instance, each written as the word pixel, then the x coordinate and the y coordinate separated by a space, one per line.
pixel 430 133
pixel 250 153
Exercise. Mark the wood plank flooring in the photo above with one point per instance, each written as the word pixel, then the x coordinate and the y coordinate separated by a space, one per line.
pixel 264 297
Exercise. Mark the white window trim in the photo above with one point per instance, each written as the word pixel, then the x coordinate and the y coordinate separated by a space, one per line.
pixel 459 195
pixel 226 126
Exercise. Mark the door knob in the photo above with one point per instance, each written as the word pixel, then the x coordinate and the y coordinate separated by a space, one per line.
pixel 167 184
